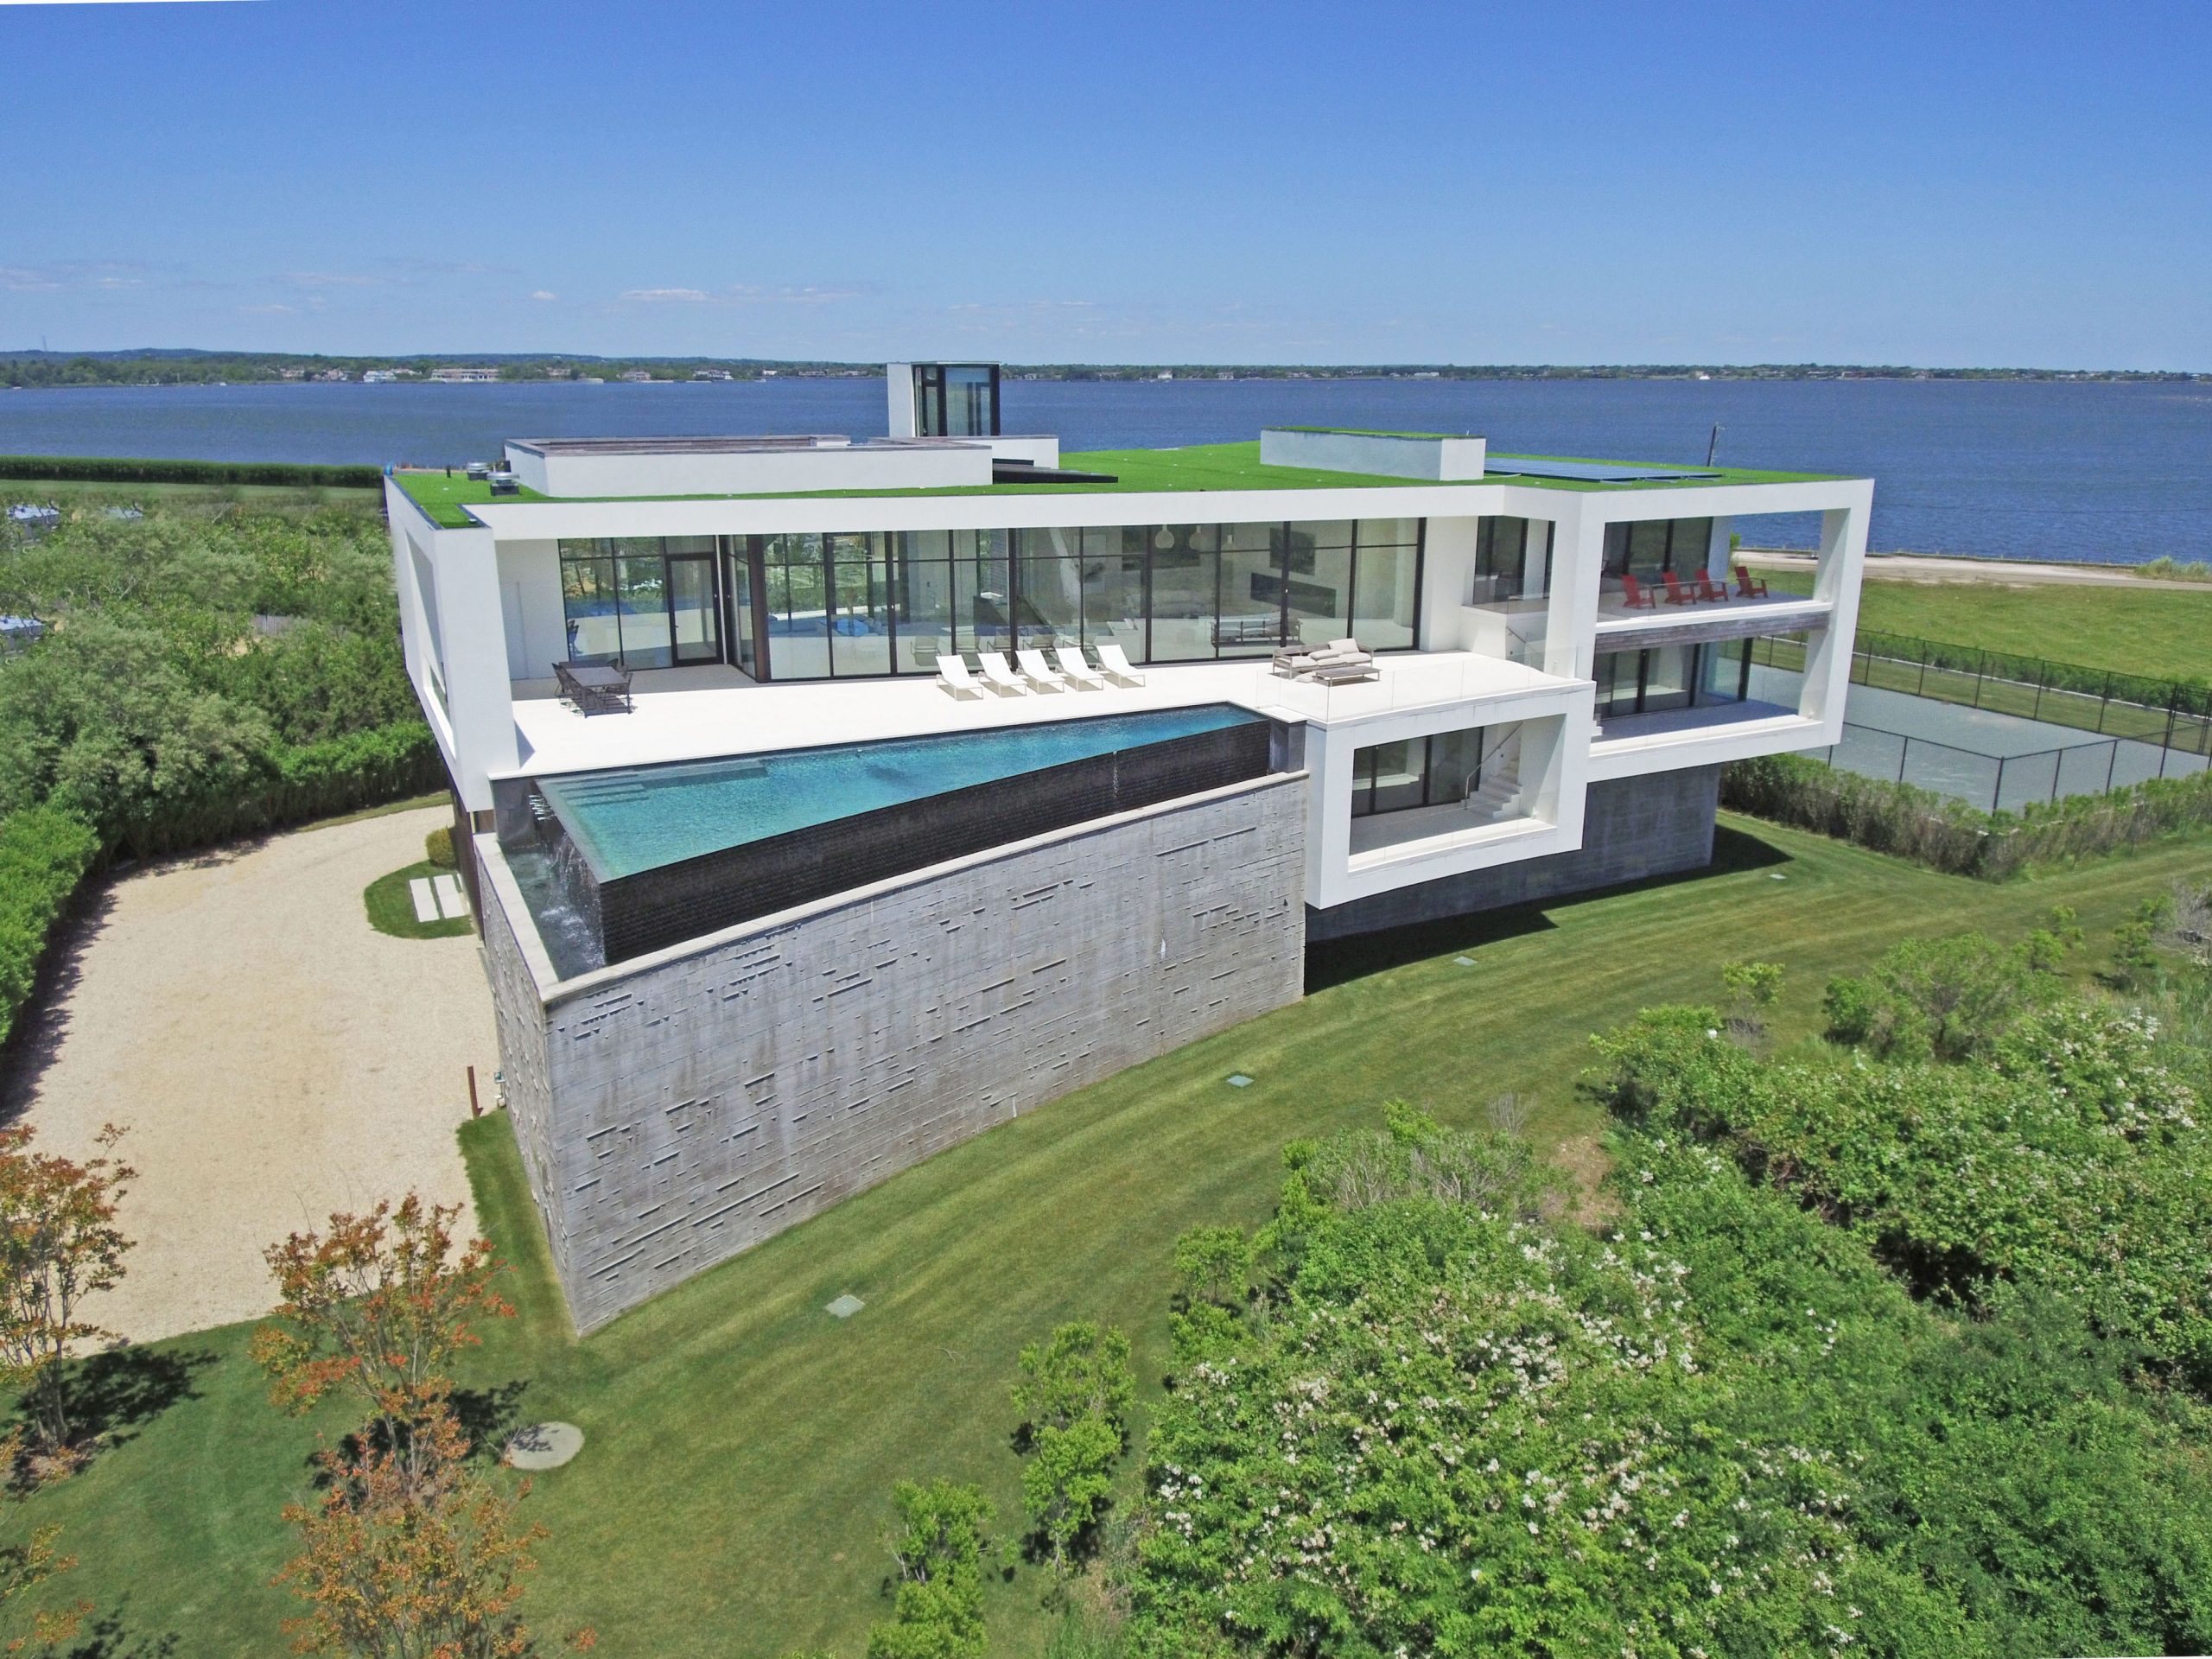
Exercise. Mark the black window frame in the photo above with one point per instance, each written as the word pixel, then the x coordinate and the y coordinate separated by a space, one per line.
pixel 1428 742
pixel 753 550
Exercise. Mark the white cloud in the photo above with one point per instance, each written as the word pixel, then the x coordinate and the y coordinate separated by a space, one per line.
pixel 334 279
pixel 271 310
pixel 544 294
pixel 809 294
pixel 97 274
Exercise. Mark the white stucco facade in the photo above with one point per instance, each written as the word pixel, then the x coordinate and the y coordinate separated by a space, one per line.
pixel 482 615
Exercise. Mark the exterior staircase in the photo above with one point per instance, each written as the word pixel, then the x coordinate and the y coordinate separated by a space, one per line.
pixel 1498 795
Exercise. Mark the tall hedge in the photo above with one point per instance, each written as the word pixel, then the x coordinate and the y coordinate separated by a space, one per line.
pixel 110 469
pixel 294 784
pixel 1948 836
pixel 44 853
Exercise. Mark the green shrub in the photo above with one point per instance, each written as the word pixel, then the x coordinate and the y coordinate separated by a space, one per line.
pixel 1948 998
pixel 108 469
pixel 2172 569
pixel 2071 1156
pixel 1082 1370
pixel 44 853
pixel 437 846
pixel 1948 836
pixel 1463 1432
pixel 1067 1481
pixel 2189 696
pixel 938 1612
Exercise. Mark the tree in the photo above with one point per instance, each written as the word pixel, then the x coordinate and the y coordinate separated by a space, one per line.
pixel 1753 988
pixel 938 1610
pixel 58 1244
pixel 1068 1480
pixel 1214 1265
pixel 1082 1370
pixel 2134 945
pixel 378 1306
pixel 408 1561
pixel 1075 1396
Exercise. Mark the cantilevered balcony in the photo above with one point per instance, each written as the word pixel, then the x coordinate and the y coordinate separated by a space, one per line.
pixel 1663 621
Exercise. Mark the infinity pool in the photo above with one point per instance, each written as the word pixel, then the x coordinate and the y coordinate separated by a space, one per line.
pixel 641 817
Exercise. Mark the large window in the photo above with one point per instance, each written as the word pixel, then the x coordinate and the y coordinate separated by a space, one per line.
pixel 1433 771
pixel 838 606
pixel 1511 556
pixel 1651 547
pixel 644 601
pixel 1673 676
pixel 956 400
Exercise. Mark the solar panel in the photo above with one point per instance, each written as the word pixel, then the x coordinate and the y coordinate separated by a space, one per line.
pixel 1590 471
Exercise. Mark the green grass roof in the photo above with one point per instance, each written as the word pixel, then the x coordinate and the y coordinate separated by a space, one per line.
pixel 1196 468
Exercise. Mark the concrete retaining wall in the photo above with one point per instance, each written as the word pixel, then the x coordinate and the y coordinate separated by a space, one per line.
pixel 672 1112
pixel 1632 828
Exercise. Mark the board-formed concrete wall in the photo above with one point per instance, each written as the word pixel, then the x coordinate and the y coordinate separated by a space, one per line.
pixel 673 1111
pixel 1632 828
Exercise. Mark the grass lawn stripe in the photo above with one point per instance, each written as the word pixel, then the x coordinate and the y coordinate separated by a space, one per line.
pixel 732 1496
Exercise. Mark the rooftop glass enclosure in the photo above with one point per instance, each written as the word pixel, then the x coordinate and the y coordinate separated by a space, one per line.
pixel 956 400
pixel 822 606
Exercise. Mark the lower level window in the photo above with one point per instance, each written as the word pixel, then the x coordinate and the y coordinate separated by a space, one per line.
pixel 1673 676
pixel 1433 771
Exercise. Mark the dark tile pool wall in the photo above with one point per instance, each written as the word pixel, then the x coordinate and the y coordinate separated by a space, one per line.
pixel 664 907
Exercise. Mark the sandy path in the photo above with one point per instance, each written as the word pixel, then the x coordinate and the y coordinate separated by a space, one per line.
pixel 2013 573
pixel 274 1058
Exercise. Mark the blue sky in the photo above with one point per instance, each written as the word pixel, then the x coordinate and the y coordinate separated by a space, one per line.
pixel 1964 184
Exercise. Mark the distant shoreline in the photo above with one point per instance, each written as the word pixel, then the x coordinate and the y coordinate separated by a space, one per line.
pixel 43 370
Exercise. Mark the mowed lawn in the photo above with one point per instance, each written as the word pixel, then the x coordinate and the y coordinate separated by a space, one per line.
pixel 733 1496
pixel 2162 632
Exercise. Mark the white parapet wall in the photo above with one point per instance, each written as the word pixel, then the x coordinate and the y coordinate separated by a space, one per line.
pixel 1432 457
pixel 673 1111
pixel 584 468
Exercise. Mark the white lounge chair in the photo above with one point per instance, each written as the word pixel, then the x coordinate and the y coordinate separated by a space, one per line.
pixel 999 674
pixel 1038 672
pixel 1079 673
pixel 952 674
pixel 1115 665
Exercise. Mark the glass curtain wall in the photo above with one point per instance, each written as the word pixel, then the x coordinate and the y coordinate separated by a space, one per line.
pixel 1433 771
pixel 644 601
pixel 1651 548
pixel 1673 676
pixel 956 400
pixel 1512 556
pixel 816 606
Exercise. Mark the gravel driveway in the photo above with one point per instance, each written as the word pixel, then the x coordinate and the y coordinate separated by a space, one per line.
pixel 274 1058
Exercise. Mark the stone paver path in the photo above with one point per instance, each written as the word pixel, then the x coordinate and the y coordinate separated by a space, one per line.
pixel 273 1057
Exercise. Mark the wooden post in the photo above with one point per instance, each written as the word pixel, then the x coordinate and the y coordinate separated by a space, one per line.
pixel 475 1110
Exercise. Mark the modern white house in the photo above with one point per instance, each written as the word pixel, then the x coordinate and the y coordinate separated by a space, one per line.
pixel 833 799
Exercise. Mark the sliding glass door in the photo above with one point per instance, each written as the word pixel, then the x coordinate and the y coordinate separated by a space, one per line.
pixel 815 607
pixel 692 608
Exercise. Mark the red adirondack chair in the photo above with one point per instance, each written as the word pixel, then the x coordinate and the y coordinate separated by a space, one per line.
pixel 1746 588
pixel 1639 596
pixel 1676 594
pixel 1706 588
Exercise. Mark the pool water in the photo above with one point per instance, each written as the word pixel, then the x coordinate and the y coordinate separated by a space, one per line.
pixel 641 817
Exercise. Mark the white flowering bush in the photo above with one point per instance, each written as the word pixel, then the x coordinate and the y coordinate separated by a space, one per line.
pixel 1463 1431
pixel 2072 1156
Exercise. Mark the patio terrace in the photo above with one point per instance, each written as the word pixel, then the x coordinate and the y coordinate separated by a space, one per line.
pixel 691 714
